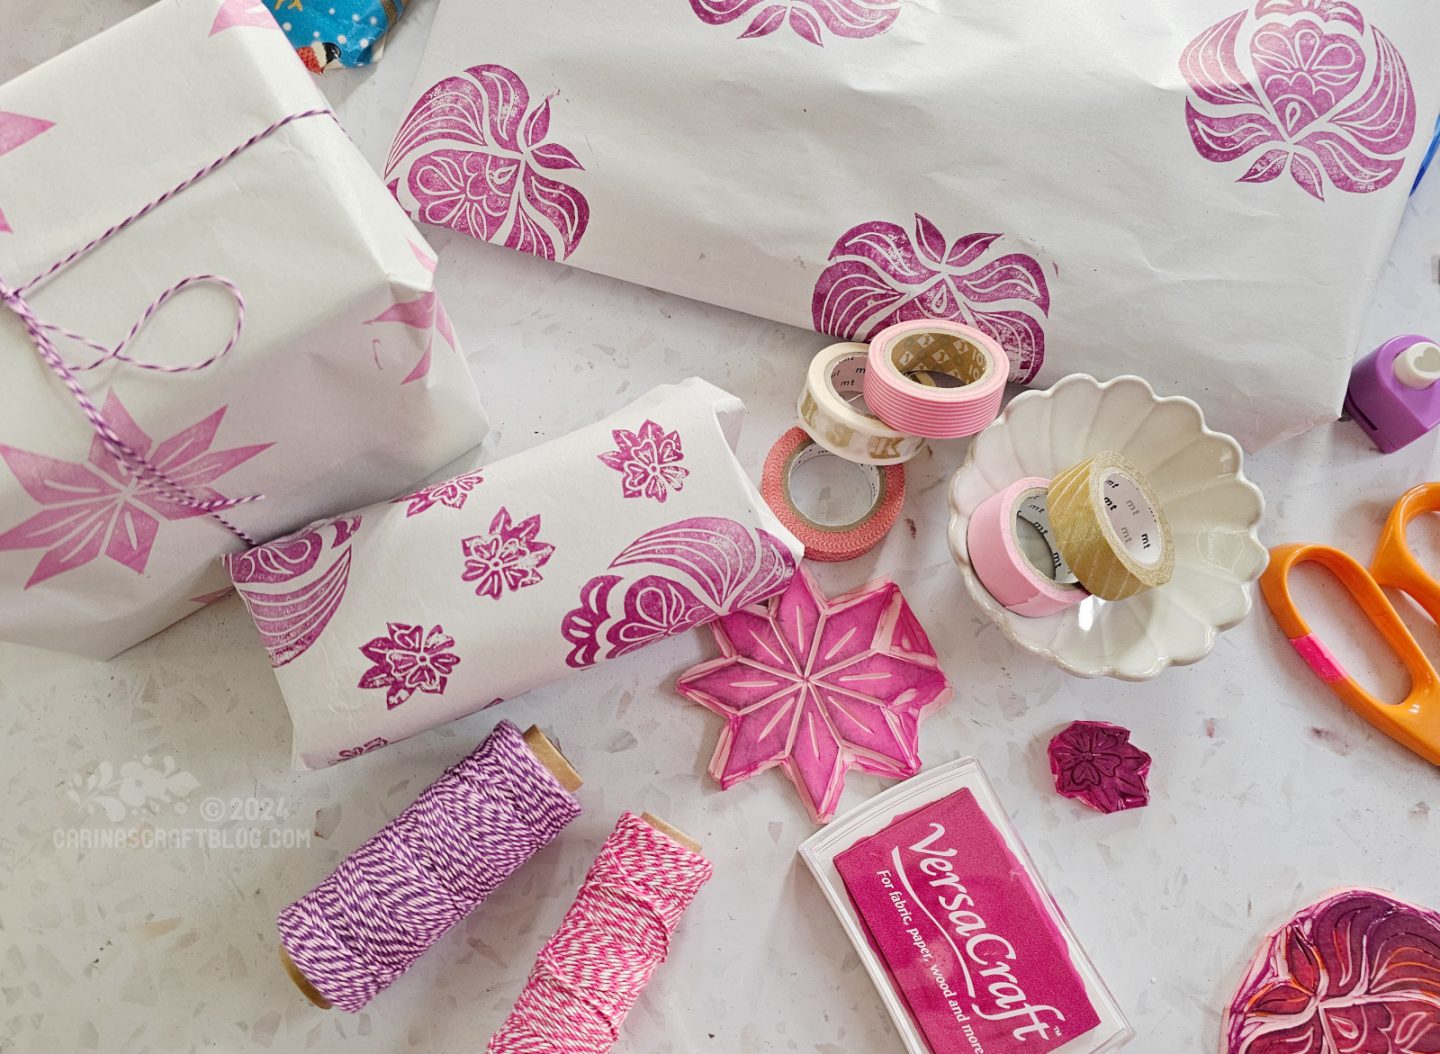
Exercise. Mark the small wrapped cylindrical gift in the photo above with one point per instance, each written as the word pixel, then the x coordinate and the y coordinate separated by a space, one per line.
pixel 417 611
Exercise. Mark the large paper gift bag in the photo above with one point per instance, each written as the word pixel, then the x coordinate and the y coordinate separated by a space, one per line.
pixel 1199 191
pixel 291 358
pixel 410 613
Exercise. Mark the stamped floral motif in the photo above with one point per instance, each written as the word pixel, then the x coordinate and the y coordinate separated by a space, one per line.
pixel 15 131
pixel 408 659
pixel 672 579
pixel 470 156
pixel 509 557
pixel 363 748
pixel 426 313
pixel 1357 973
pixel 293 586
pixel 808 18
pixel 879 274
pixel 102 506
pixel 648 461
pixel 1095 762
pixel 451 493
pixel 138 788
pixel 1301 86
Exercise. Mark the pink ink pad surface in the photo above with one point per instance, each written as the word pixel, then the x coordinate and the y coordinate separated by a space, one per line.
pixel 957 930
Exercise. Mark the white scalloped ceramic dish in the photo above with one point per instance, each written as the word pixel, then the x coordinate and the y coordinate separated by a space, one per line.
pixel 1213 509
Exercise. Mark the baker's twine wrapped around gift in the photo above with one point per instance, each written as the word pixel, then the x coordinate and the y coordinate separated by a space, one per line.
pixel 615 935
pixel 396 895
pixel 42 335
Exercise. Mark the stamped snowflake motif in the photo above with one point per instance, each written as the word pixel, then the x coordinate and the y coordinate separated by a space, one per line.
pixel 509 557
pixel 808 18
pixel 409 660
pixel 451 493
pixel 471 155
pixel 879 274
pixel 1095 763
pixel 1301 86
pixel 818 686
pixel 648 461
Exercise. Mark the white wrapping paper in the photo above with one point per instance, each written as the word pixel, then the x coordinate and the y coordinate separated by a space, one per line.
pixel 346 385
pixel 1199 191
pixel 417 611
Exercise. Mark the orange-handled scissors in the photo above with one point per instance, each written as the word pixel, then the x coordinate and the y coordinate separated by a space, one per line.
pixel 1416 721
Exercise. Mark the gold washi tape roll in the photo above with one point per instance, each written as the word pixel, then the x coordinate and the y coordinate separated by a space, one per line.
pixel 1110 527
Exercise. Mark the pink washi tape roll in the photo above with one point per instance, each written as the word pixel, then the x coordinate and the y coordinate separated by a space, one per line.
pixel 824 542
pixel 909 358
pixel 1031 580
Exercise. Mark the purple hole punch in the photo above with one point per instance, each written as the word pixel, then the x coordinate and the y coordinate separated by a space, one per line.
pixel 1394 395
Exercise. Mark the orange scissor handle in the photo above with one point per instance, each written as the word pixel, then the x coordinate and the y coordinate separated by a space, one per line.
pixel 1414 722
pixel 1394 564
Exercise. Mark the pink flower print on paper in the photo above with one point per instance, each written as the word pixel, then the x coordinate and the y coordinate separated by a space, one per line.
pixel 819 686
pixel 235 14
pixel 99 506
pixel 409 660
pixel 648 461
pixel 15 131
pixel 451 493
pixel 363 748
pixel 686 573
pixel 1357 973
pixel 879 274
pixel 1095 762
pixel 509 557
pixel 808 18
pixel 1301 86
pixel 425 313
pixel 471 154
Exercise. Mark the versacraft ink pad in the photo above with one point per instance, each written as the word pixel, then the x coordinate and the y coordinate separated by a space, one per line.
pixel 956 928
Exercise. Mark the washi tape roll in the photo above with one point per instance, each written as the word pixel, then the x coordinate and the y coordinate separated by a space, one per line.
pixel 833 411
pixel 907 358
pixel 830 544
pixel 1110 528
pixel 1029 583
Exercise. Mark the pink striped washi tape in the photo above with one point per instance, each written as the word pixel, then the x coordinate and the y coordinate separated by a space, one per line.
pixel 830 544
pixel 909 362
pixel 1006 571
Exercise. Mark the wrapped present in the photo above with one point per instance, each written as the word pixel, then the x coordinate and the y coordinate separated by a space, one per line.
pixel 215 325
pixel 411 613
pixel 1201 191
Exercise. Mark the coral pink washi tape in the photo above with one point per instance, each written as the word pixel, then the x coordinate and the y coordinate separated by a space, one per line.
pixel 824 542
pixel 904 355
pixel 1004 569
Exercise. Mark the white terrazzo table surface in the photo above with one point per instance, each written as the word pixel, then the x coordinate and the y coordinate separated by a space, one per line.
pixel 1266 792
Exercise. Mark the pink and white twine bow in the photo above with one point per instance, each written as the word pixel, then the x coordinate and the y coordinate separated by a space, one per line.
pixel 43 334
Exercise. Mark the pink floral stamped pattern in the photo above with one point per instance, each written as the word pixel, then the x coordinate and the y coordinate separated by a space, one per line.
pixel 672 579
pixel 427 314
pixel 472 155
pixel 509 557
pixel 293 586
pixel 1301 86
pixel 1357 973
pixel 100 506
pixel 648 461
pixel 879 274
pixel 808 18
pixel 1095 762
pixel 450 492
pixel 408 660
pixel 15 131
pixel 819 686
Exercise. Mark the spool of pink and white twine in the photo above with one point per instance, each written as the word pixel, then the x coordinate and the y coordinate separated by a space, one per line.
pixel 593 969
pixel 390 900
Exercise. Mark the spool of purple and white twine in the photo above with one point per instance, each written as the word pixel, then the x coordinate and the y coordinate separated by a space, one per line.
pixel 396 895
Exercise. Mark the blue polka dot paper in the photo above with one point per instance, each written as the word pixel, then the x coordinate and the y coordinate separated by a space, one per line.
pixel 337 32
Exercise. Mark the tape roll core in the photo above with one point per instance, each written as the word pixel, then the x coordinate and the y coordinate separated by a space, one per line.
pixel 834 412
pixel 1030 581
pixel 1110 527
pixel 901 380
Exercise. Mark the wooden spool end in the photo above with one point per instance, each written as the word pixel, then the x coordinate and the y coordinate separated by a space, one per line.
pixel 674 832
pixel 548 754
pixel 301 981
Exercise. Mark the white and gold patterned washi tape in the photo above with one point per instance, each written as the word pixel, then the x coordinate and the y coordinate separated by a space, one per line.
pixel 1110 528
pixel 833 411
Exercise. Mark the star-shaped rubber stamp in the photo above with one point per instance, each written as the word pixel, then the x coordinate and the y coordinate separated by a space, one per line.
pixel 818 686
